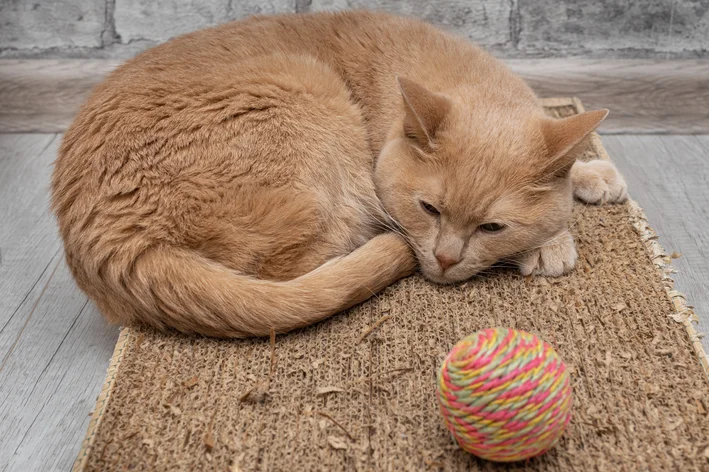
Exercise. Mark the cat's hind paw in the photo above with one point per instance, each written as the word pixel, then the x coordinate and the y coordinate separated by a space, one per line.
pixel 555 258
pixel 598 182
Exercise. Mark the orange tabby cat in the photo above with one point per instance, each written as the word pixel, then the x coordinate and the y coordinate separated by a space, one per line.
pixel 271 172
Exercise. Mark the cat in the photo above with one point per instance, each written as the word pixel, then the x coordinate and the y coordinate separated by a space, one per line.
pixel 265 174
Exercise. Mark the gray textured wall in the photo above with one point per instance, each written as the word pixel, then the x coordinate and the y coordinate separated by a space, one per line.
pixel 511 28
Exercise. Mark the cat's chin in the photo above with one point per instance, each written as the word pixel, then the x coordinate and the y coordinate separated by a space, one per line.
pixel 442 279
pixel 455 276
pixel 437 279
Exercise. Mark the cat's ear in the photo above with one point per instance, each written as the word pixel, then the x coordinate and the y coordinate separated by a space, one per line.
pixel 562 136
pixel 425 112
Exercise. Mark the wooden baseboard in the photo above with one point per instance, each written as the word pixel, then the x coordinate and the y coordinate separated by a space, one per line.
pixel 43 95
pixel 644 96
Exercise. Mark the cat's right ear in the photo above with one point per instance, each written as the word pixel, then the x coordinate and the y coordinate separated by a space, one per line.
pixel 563 135
pixel 425 112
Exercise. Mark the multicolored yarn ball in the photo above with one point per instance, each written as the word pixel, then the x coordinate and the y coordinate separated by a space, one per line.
pixel 504 394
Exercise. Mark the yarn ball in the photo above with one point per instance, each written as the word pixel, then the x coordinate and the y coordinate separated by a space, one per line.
pixel 505 394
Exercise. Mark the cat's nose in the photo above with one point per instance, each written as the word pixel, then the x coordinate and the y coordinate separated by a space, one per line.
pixel 445 261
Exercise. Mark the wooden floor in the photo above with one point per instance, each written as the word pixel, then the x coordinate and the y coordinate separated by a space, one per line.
pixel 55 347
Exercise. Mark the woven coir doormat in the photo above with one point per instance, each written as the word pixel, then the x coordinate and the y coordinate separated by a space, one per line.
pixel 358 390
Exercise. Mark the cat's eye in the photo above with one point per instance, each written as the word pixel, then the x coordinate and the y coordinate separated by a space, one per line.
pixel 492 227
pixel 430 208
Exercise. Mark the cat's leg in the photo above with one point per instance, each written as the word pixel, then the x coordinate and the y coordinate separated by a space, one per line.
pixel 554 258
pixel 598 182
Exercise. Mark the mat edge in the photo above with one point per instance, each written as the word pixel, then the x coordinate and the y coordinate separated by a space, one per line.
pixel 102 400
pixel 684 312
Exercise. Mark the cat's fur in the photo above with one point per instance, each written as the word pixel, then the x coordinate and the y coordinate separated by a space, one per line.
pixel 258 175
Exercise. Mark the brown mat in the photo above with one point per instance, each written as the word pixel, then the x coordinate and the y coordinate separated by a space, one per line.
pixel 357 391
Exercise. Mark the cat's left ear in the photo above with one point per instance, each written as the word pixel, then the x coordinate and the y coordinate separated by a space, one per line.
pixel 562 136
pixel 425 112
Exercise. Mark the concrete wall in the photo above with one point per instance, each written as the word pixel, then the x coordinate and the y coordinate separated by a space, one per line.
pixel 511 28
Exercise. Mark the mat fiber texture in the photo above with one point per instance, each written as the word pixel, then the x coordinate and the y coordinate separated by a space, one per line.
pixel 357 391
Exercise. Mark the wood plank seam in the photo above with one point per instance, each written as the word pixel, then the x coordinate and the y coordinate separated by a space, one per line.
pixel 29 317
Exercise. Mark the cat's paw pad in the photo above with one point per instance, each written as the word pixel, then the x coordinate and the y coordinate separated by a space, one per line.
pixel 553 259
pixel 598 182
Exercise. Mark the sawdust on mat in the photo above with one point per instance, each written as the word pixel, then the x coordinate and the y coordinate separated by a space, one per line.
pixel 357 391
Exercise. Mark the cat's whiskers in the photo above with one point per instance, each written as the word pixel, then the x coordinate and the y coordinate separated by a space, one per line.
pixel 398 225
pixel 383 222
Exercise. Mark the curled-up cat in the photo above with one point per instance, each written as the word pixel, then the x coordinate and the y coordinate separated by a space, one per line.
pixel 268 173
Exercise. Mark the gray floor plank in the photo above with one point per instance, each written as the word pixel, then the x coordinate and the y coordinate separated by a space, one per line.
pixel 54 345
pixel 669 177
pixel 28 239
pixel 54 414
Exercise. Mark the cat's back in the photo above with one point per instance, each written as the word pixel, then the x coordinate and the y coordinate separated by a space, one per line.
pixel 372 43
pixel 365 50
pixel 353 34
pixel 348 42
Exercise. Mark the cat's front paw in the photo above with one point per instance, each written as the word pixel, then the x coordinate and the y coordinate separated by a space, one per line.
pixel 598 182
pixel 556 257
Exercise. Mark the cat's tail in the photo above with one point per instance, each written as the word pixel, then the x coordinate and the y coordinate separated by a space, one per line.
pixel 175 288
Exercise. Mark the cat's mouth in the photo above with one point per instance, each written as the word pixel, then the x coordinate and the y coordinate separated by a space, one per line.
pixel 458 273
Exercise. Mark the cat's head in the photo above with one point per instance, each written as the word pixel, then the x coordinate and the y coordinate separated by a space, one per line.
pixel 473 183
